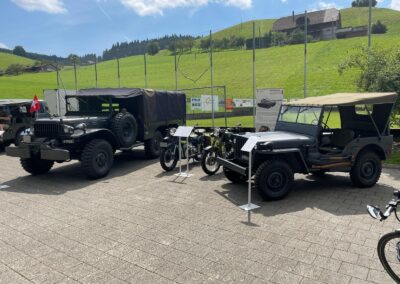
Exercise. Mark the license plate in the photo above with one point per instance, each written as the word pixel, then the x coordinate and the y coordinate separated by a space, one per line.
pixel 26 139
pixel 163 144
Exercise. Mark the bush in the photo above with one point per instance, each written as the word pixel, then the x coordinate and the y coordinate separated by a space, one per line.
pixel 298 36
pixel 363 3
pixel 379 28
pixel 379 72
pixel 15 69
pixel 153 48
pixel 205 43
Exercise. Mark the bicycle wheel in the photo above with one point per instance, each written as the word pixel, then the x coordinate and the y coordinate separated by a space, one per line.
pixel 389 254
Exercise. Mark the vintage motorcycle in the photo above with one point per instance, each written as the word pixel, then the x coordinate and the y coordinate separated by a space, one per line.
pixel 170 148
pixel 221 146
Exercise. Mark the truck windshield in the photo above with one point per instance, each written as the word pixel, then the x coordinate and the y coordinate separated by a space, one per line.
pixel 302 115
pixel 89 105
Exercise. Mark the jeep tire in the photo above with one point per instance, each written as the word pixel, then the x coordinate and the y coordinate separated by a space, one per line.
pixel 97 158
pixel 366 170
pixel 125 128
pixel 152 147
pixel 274 179
pixel 36 166
pixel 18 137
pixel 233 176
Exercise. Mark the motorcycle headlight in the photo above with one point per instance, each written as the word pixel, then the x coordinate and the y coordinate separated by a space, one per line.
pixel 172 131
pixel 68 129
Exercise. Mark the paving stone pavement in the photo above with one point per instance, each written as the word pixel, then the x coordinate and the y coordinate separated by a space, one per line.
pixel 141 225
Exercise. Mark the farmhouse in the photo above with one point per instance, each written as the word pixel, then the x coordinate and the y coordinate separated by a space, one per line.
pixel 322 25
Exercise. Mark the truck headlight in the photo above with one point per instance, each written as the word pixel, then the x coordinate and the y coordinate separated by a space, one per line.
pixel 68 129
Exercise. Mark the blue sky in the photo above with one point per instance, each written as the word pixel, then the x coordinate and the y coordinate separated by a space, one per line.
pixel 62 27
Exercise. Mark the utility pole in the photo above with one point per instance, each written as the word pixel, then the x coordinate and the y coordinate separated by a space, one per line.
pixel 305 52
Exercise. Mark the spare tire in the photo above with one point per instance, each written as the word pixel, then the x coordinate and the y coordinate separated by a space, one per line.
pixel 125 128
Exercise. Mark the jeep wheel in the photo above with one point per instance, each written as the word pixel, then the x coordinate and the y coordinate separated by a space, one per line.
pixel 367 169
pixel 152 148
pixel 18 137
pixel 125 127
pixel 97 158
pixel 274 179
pixel 233 176
pixel 36 166
pixel 168 160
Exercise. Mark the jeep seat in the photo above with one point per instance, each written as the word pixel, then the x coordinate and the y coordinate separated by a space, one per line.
pixel 340 138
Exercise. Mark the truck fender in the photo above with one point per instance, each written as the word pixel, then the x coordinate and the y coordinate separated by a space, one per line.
pixel 100 134
pixel 284 154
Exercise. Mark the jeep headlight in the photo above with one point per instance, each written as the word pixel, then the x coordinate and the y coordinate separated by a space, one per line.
pixel 68 129
pixel 172 131
pixel 28 131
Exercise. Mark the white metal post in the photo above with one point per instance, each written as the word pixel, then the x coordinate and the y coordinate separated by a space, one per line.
pixel 187 155
pixel 180 156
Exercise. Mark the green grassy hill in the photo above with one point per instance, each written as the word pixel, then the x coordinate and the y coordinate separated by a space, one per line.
pixel 246 29
pixel 7 59
pixel 276 67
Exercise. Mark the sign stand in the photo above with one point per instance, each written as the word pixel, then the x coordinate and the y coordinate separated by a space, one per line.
pixel 183 132
pixel 248 147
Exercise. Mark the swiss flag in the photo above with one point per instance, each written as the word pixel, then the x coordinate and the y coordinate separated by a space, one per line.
pixel 35 106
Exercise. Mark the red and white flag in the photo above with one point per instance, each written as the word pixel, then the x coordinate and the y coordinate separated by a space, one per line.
pixel 35 106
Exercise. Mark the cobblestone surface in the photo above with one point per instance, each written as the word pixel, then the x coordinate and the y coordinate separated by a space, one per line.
pixel 141 225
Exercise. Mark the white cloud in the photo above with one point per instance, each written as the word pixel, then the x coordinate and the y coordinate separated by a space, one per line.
pixel 395 4
pixel 321 5
pixel 154 7
pixel 48 6
pixel 2 45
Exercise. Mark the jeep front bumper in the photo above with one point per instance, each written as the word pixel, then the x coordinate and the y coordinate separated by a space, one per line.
pixel 45 152
pixel 232 166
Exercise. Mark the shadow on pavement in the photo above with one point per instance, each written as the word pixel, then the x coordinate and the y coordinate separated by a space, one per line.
pixel 70 177
pixel 332 193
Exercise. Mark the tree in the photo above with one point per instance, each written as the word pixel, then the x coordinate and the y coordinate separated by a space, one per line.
pixel 15 69
pixel 379 28
pixel 205 43
pixel 363 3
pixel 73 59
pixel 279 38
pixel 237 42
pixel 379 72
pixel 153 48
pixel 19 50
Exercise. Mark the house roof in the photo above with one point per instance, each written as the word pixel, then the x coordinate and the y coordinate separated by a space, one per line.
pixel 346 99
pixel 317 17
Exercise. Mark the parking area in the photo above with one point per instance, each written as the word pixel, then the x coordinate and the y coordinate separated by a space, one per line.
pixel 141 225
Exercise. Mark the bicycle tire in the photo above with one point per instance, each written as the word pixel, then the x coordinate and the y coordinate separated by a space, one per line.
pixel 383 241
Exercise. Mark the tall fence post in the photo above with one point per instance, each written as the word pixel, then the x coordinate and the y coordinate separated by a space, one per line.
pixel 176 66
pixel 145 70
pixel 226 116
pixel 95 72
pixel 305 53
pixel 254 74
pixel 119 75
pixel 212 78
pixel 369 23
pixel 76 79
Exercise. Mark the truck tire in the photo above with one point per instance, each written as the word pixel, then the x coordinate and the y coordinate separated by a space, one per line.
pixel 125 127
pixel 366 170
pixel 168 160
pixel 36 166
pixel 274 179
pixel 152 148
pixel 97 158
pixel 233 176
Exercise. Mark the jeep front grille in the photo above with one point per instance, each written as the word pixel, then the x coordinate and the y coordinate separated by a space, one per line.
pixel 240 141
pixel 48 130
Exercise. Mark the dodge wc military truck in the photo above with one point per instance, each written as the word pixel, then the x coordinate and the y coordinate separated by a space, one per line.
pixel 99 122
pixel 334 133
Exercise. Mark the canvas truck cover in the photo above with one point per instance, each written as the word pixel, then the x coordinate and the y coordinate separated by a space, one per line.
pixel 347 99
pixel 155 105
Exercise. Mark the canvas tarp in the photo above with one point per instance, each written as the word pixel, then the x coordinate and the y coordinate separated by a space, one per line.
pixel 155 105
pixel 346 99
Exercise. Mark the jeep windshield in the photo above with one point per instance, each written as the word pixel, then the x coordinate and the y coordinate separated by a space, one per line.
pixel 300 115
pixel 90 106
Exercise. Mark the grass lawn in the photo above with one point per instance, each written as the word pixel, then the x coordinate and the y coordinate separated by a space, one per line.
pixel 7 59
pixel 246 121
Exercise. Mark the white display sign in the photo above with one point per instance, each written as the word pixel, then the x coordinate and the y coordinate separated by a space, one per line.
pixel 183 131
pixel 250 144
pixel 268 104
pixel 243 102
pixel 196 103
pixel 208 104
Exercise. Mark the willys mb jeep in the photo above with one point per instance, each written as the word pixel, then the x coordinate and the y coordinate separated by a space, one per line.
pixel 15 118
pixel 334 133
pixel 97 123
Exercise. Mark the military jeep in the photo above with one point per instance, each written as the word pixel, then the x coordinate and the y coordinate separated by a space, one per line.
pixel 99 122
pixel 334 133
pixel 15 118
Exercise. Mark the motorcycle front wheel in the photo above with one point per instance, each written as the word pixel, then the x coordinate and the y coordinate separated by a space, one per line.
pixel 389 254
pixel 209 162
pixel 168 159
